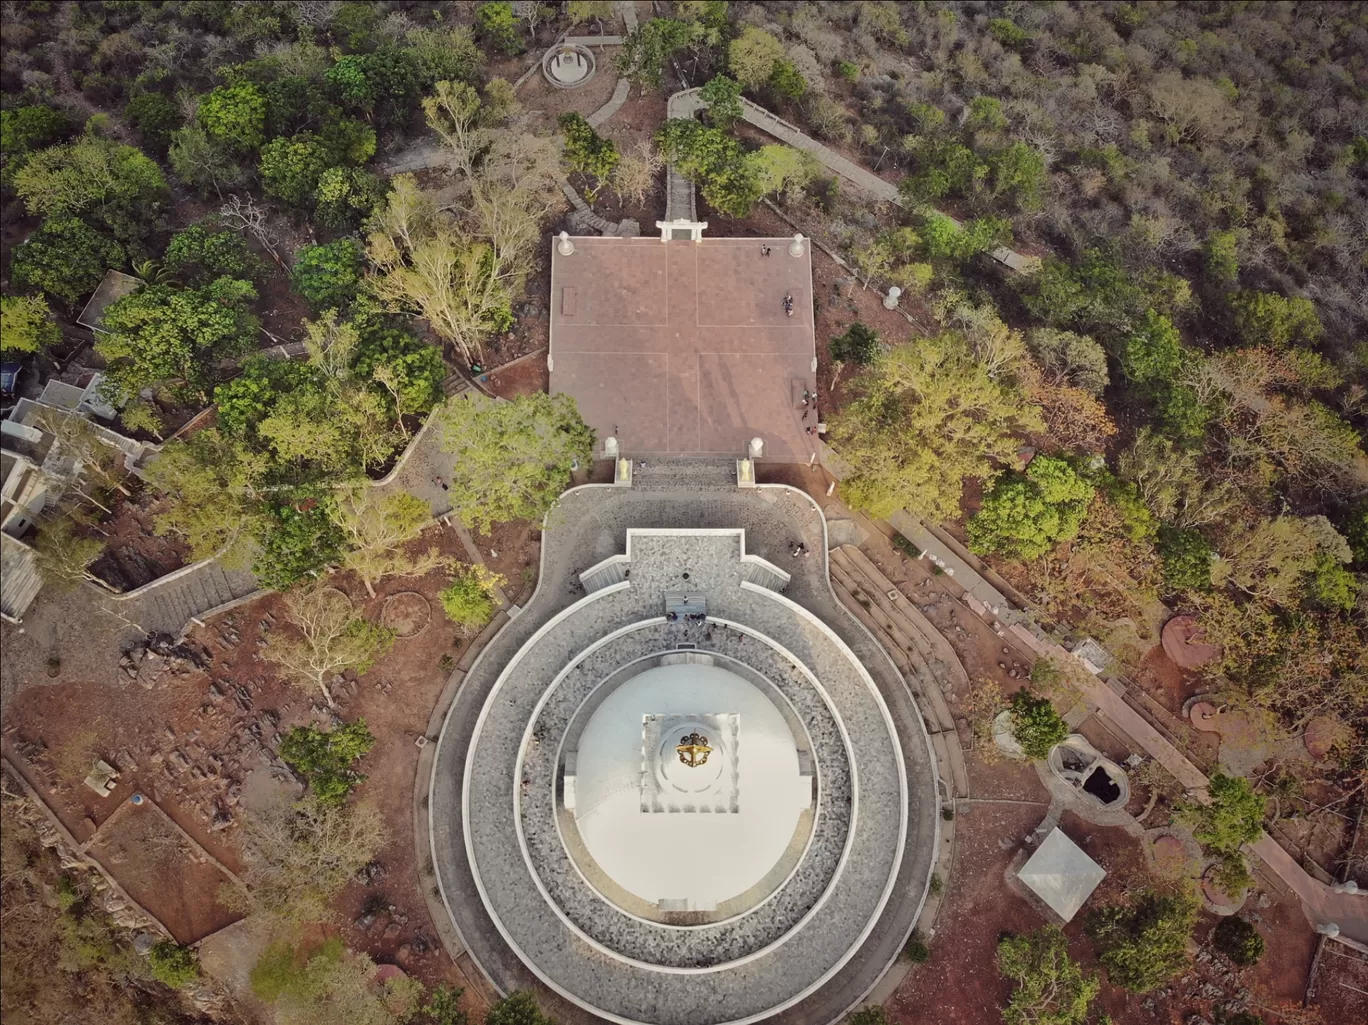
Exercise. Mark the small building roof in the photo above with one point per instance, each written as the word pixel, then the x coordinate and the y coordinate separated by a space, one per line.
pixel 115 286
pixel 1061 875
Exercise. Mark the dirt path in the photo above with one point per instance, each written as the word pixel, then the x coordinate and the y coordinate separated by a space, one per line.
pixel 67 93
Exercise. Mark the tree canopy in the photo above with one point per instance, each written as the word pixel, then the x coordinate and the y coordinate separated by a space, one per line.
pixel 97 179
pixel 510 460
pixel 1050 987
pixel 927 415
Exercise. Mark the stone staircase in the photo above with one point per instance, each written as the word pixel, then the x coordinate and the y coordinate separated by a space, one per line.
pixel 170 604
pixel 925 659
pixel 605 574
pixel 764 575
pixel 689 474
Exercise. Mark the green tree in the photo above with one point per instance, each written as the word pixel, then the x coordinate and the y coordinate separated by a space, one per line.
pixel 26 129
pixel 858 346
pixel 1239 940
pixel 1069 358
pixel 1143 943
pixel 714 161
pixel 200 254
pixel 1221 254
pixel 326 757
pixel 782 169
pixel 1272 559
pixel 404 369
pixel 927 416
pixel 204 163
pixel 1266 318
pixel 469 600
pixel 377 528
pixel 328 274
pixel 518 1008
pixel 787 81
pixel 723 97
pixel 1233 818
pixel 215 500
pixel 26 324
pixel 647 51
pixel 587 152
pixel 234 115
pixel 511 460
pixel 497 27
pixel 382 85
pixel 1186 556
pixel 1017 176
pixel 292 169
pixel 1331 585
pixel 97 179
pixel 166 335
pixel 1051 989
pixel 66 258
pixel 752 56
pixel 1027 514
pixel 331 639
pixel 1036 725
pixel 298 539
pixel 956 244
pixel 1153 355
pixel 155 117
pixel 580 11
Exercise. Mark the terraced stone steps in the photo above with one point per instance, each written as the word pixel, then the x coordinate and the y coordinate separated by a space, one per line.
pixel 905 634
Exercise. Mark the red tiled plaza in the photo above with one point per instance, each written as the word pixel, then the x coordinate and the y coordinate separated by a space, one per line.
pixel 683 348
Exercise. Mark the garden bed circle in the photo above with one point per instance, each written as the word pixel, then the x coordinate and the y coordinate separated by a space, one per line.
pixel 407 613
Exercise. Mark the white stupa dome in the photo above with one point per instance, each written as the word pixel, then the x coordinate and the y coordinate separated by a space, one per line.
pixel 688 837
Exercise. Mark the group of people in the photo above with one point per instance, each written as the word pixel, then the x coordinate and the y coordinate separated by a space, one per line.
pixel 800 548
pixel 689 617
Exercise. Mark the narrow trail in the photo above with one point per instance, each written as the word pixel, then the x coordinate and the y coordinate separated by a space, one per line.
pixel 67 93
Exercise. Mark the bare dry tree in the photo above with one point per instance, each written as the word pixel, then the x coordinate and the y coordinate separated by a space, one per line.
pixel 331 638
pixel 299 854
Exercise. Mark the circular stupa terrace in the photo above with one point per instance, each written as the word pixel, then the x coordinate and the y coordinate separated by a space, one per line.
pixel 683 785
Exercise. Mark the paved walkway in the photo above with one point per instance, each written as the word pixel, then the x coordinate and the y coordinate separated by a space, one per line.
pixel 689 102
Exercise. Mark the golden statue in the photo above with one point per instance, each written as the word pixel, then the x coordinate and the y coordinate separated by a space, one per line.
pixel 693 750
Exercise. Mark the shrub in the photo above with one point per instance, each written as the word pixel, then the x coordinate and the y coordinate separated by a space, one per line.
pixel 1143 944
pixel 469 600
pixel 916 950
pixel 329 274
pixel 1036 725
pixel 872 1014
pixel 859 345
pixel 1266 318
pixel 325 757
pixel 172 964
pixel 1237 939
pixel 1186 556
pixel 518 1008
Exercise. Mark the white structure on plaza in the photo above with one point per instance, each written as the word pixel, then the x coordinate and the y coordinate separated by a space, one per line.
pixel 1061 875
pixel 647 800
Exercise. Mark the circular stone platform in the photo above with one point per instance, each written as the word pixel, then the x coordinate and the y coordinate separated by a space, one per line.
pixel 568 66
pixel 683 787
